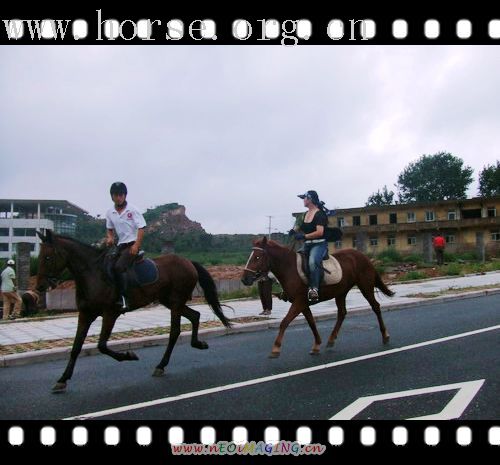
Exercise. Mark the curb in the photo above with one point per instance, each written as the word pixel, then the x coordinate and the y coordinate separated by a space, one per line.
pixel 62 353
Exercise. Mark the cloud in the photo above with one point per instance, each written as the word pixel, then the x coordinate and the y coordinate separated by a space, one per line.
pixel 235 133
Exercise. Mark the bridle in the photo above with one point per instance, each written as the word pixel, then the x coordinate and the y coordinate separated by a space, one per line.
pixel 258 273
pixel 52 279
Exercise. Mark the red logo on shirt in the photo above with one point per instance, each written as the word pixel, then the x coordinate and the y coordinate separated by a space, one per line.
pixel 129 215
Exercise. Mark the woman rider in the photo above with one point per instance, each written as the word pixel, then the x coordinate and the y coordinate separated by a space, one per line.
pixel 312 232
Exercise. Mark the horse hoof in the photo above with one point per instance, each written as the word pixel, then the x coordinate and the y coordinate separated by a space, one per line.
pixel 158 372
pixel 131 356
pixel 386 340
pixel 59 388
pixel 314 352
pixel 274 355
pixel 330 345
pixel 200 345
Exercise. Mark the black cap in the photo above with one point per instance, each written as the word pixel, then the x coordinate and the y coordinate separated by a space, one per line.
pixel 312 195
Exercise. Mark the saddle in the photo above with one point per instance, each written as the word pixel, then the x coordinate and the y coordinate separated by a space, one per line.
pixel 331 266
pixel 143 271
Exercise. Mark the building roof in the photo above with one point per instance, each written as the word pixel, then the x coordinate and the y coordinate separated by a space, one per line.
pixel 68 207
pixel 406 206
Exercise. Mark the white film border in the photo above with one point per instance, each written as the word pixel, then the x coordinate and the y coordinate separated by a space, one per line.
pixel 241 29
pixel 368 436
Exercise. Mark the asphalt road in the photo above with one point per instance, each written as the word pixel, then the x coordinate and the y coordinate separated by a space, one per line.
pixel 294 386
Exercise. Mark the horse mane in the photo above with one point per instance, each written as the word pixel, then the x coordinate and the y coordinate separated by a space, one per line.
pixel 269 243
pixel 77 242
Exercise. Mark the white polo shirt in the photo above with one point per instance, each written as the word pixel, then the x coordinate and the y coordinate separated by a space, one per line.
pixel 126 224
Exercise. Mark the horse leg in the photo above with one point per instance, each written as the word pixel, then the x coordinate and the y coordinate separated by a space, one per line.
pixel 341 312
pixel 84 322
pixel 175 330
pixel 312 324
pixel 108 322
pixel 369 295
pixel 295 309
pixel 194 317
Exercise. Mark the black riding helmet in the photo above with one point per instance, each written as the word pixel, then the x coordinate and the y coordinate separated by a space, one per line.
pixel 118 188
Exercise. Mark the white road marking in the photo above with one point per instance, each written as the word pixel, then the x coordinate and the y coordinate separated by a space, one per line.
pixel 252 382
pixel 454 408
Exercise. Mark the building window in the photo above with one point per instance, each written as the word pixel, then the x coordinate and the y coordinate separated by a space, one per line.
pixel 391 240
pixel 340 222
pixel 4 232
pixel 354 243
pixel 393 218
pixel 410 217
pixel 452 215
pixel 4 247
pixel 338 244
pixel 374 241
pixel 450 239
pixel 495 235
pixel 373 220
pixel 429 216
pixel 24 232
pixel 412 240
pixel 356 220
pixel 492 212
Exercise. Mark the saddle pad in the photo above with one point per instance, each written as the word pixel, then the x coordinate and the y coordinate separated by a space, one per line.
pixel 331 265
pixel 143 273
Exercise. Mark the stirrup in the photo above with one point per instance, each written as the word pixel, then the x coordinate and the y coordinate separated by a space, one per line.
pixel 312 295
pixel 122 301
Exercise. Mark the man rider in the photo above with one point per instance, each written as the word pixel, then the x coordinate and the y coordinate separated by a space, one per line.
pixel 128 223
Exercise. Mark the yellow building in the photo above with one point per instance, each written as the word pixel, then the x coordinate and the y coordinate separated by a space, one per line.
pixel 471 225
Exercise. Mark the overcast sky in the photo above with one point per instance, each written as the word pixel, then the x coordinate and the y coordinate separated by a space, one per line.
pixel 234 133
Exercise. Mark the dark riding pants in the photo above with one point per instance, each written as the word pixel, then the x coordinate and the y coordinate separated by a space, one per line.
pixel 265 286
pixel 123 261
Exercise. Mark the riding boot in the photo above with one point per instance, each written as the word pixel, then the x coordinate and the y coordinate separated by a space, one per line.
pixel 123 288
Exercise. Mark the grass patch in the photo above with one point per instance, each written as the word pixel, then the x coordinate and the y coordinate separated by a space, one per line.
pixel 412 276
pixel 452 290
pixel 453 269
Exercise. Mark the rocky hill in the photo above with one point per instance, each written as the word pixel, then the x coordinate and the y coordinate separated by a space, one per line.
pixel 170 220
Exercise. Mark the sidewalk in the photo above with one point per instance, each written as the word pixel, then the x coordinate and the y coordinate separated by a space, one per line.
pixel 18 332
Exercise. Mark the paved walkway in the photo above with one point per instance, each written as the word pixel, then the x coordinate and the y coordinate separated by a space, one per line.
pixel 17 332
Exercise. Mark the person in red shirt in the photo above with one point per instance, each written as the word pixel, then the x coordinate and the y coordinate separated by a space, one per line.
pixel 439 243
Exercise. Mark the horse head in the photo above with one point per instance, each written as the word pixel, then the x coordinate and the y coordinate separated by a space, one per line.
pixel 258 264
pixel 51 262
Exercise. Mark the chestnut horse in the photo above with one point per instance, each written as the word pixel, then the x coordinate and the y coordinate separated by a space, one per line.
pixel 97 296
pixel 357 270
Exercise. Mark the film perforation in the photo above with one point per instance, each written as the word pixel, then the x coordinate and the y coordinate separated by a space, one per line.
pixel 372 435
pixel 288 32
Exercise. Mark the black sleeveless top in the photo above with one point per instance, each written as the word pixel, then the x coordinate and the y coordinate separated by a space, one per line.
pixel 320 219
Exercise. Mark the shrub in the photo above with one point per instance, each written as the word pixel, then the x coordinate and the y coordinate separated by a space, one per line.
pixel 414 258
pixel 390 255
pixel 453 269
pixel 412 275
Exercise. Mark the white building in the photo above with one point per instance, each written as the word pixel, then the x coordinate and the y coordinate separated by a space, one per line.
pixel 20 219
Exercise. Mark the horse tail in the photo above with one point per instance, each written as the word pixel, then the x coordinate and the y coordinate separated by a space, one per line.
pixel 379 284
pixel 210 291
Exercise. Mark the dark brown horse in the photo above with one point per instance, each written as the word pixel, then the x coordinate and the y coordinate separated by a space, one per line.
pixel 357 270
pixel 96 296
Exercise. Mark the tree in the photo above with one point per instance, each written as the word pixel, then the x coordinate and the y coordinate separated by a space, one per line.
pixel 489 180
pixel 441 176
pixel 381 198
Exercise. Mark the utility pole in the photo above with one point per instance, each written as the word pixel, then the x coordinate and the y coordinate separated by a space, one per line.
pixel 269 234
